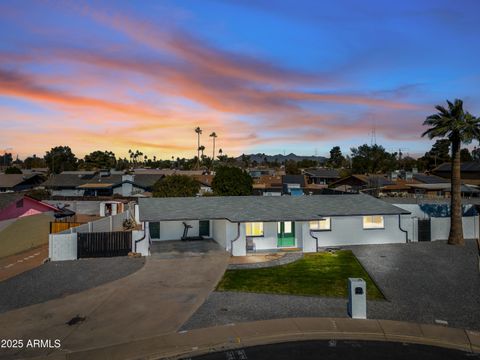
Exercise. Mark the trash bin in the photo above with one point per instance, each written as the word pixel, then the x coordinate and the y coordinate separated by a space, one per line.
pixel 357 298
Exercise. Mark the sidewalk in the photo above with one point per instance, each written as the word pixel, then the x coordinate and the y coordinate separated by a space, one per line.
pixel 13 265
pixel 235 336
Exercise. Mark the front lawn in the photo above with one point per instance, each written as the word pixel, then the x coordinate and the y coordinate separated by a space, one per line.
pixel 319 274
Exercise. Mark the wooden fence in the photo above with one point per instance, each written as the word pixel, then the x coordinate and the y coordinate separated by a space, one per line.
pixel 56 227
pixel 104 244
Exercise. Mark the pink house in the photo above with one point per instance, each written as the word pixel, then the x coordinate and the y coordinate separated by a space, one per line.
pixel 15 205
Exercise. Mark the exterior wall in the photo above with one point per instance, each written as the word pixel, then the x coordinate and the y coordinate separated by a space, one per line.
pixel 239 245
pixel 219 233
pixel 30 207
pixel 440 228
pixel 143 246
pixel 62 247
pixel 67 192
pixel 269 238
pixel 80 207
pixel 173 230
pixel 24 233
pixel 348 230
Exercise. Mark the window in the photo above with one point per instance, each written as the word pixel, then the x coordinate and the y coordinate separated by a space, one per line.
pixel 323 224
pixel 373 222
pixel 254 229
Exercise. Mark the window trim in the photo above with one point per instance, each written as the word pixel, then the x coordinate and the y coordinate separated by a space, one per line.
pixel 255 236
pixel 373 228
pixel 319 230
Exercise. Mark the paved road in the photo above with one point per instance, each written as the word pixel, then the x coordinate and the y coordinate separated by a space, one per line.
pixel 155 300
pixel 423 282
pixel 13 265
pixel 344 350
pixel 58 279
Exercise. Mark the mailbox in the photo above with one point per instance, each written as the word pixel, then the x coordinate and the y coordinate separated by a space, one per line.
pixel 357 298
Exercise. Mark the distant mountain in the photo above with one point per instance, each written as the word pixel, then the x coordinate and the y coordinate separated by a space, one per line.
pixel 259 158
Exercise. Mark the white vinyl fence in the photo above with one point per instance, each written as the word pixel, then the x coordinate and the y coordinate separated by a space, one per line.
pixel 63 245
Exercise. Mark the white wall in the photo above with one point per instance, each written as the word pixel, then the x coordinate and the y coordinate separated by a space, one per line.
pixel 62 247
pixel 239 245
pixel 269 239
pixel 440 228
pixel 143 246
pixel 173 230
pixel 348 230
pixel 219 233
pixel 68 192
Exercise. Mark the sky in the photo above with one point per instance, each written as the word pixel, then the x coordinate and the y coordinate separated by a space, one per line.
pixel 266 76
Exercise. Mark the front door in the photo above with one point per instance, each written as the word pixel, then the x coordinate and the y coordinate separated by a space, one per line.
pixel 286 234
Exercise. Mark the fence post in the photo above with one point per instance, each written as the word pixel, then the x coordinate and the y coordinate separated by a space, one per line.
pixel 111 222
pixel 90 226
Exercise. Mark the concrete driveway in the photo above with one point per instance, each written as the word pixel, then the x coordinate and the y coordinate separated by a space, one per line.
pixel 156 300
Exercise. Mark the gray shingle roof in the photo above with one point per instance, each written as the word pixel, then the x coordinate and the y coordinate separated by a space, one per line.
pixel 263 208
pixel 323 173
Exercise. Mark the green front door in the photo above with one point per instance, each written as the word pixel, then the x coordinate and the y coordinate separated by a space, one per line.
pixel 286 234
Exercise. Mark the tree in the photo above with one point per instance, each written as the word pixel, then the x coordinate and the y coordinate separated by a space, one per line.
pixel 214 136
pixel 60 158
pixel 291 168
pixel 458 127
pixel 372 159
pixel 100 160
pixel 198 131
pixel 245 160
pixel 337 159
pixel 33 162
pixel 438 154
pixel 231 181
pixel 465 155
pixel 6 159
pixel 13 170
pixel 176 186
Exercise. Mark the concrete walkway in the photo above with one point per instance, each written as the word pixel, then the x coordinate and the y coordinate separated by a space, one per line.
pixel 156 300
pixel 235 336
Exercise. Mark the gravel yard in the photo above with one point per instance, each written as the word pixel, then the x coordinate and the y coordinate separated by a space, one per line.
pixel 61 278
pixel 423 282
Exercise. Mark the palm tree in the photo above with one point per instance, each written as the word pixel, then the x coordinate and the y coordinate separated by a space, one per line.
pixel 459 127
pixel 213 135
pixel 199 132
pixel 202 149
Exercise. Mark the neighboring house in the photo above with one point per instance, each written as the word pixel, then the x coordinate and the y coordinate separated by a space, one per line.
pixel 293 185
pixel 256 173
pixel 19 182
pixel 205 182
pixel 16 205
pixel 267 185
pixel 470 172
pixel 242 224
pixel 357 182
pixel 321 176
pixel 88 183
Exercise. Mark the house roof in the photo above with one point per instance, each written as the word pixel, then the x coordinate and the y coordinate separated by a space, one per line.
pixel 263 208
pixel 12 180
pixel 293 179
pixel 84 180
pixel 470 166
pixel 7 198
pixel 323 173
pixel 428 179
pixel 368 180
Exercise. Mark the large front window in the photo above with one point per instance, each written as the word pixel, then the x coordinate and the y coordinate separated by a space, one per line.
pixel 323 224
pixel 373 222
pixel 254 229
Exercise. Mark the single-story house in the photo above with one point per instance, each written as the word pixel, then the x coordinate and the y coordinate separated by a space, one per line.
pixel 19 182
pixel 88 183
pixel 321 176
pixel 470 171
pixel 359 182
pixel 16 205
pixel 242 224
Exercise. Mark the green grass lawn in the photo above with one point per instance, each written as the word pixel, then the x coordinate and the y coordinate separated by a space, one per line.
pixel 319 274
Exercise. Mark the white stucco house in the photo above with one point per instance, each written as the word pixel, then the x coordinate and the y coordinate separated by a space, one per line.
pixel 244 224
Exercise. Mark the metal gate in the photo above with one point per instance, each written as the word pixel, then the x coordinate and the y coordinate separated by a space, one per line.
pixel 424 232
pixel 104 244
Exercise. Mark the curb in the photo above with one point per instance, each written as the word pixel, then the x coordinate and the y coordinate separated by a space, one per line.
pixel 233 336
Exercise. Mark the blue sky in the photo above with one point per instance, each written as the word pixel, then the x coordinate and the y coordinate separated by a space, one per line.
pixel 266 76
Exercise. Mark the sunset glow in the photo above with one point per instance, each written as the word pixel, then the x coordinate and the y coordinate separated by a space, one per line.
pixel 269 77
